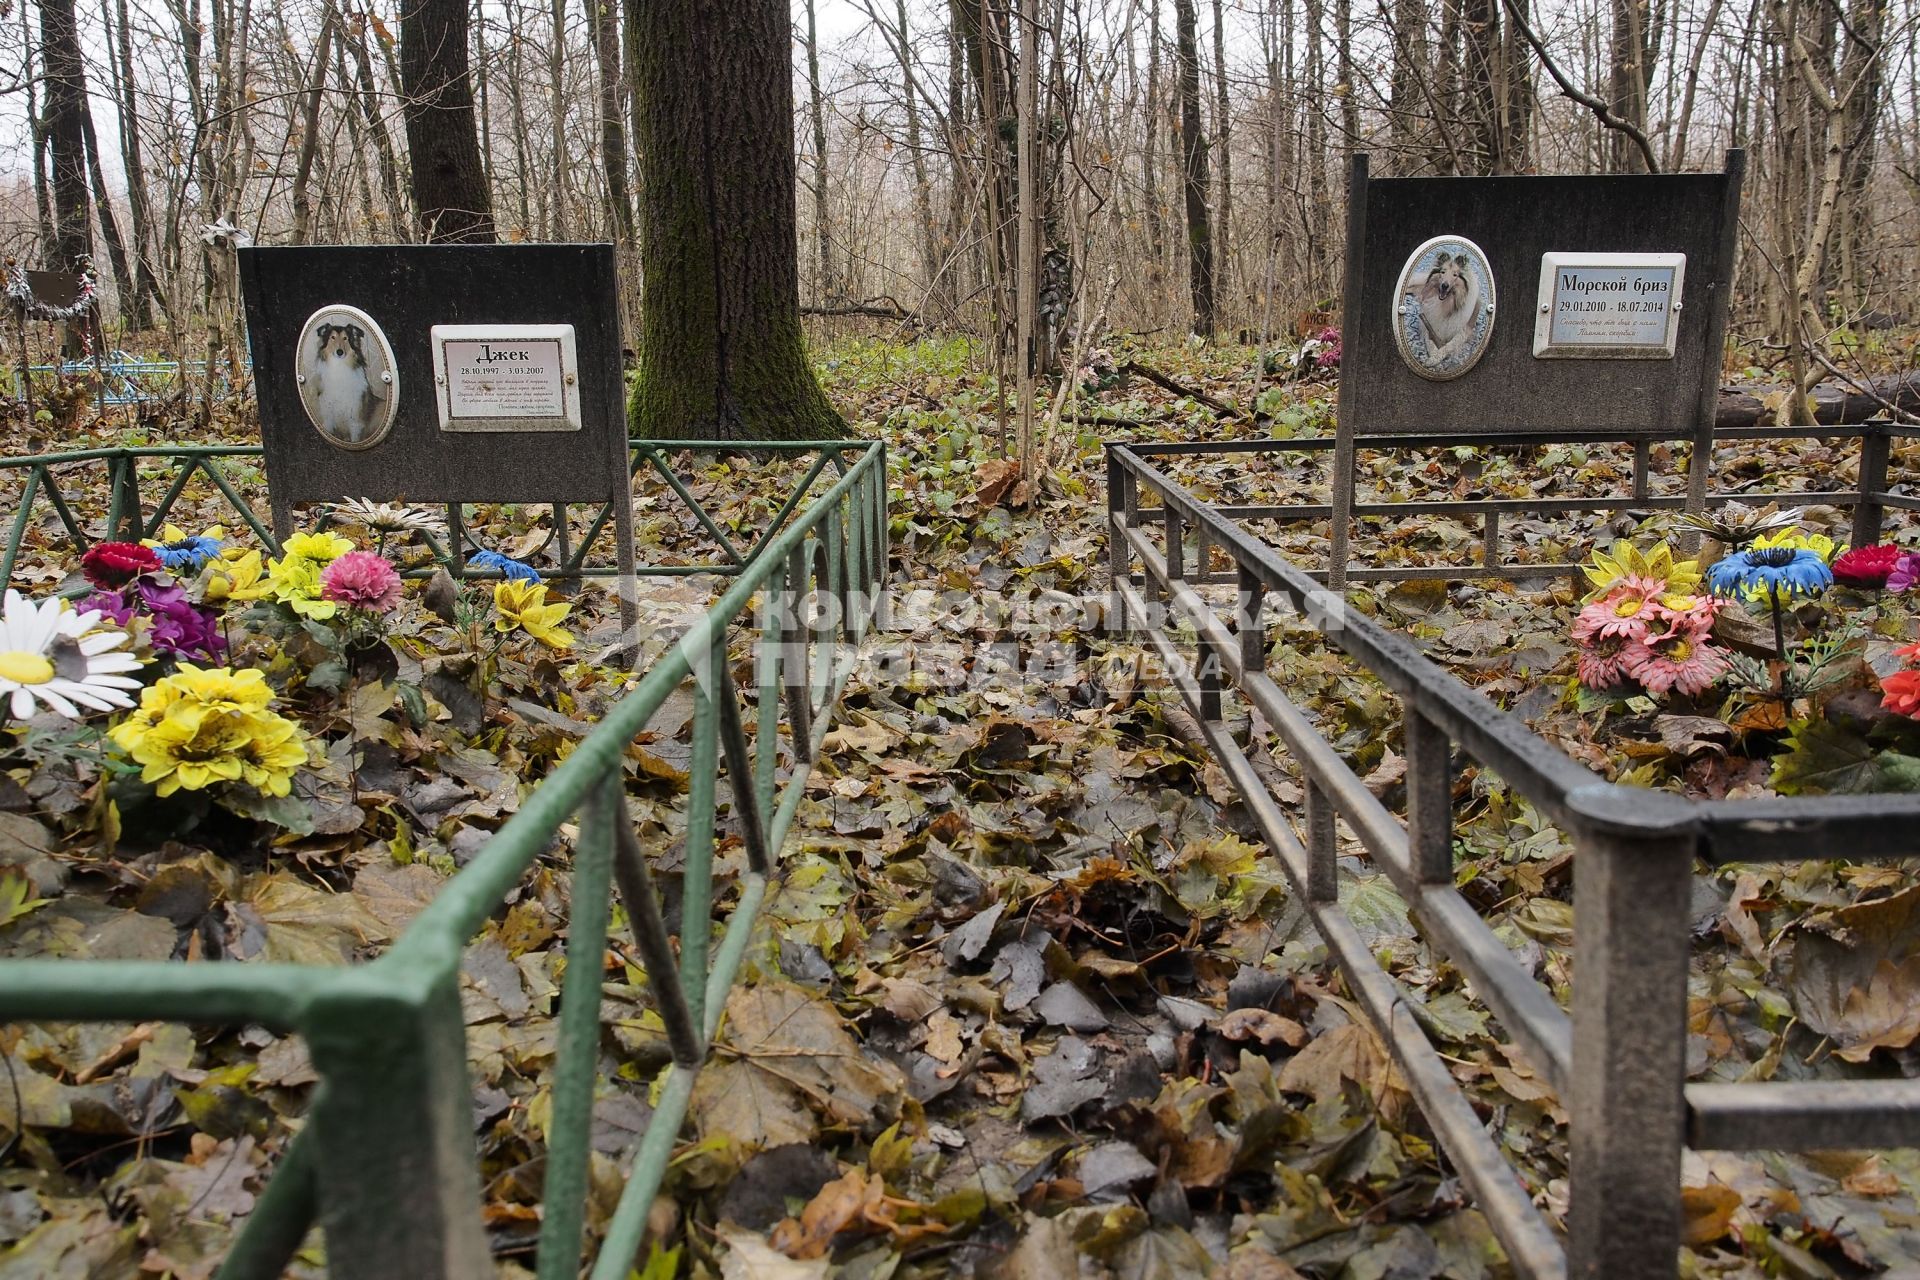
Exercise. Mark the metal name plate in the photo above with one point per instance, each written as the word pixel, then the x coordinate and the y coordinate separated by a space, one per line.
pixel 1609 306
pixel 506 377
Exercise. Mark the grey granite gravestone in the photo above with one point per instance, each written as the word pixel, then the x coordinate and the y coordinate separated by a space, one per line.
pixel 1598 308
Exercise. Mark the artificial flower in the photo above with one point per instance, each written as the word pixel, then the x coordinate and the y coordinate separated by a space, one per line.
pixel 1866 566
pixel 53 655
pixel 180 626
pixel 1906 571
pixel 361 580
pixel 241 577
pixel 506 566
pixel 203 726
pixel 1626 610
pixel 321 548
pixel 183 552
pixel 385 517
pixel 114 564
pixel 1736 525
pixel 1900 692
pixel 1604 662
pixel 1625 560
pixel 1818 543
pixel 295 582
pixel 1772 571
pixel 524 605
pixel 1683 661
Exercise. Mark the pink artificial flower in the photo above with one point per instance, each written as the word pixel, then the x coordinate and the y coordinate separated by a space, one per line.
pixel 1675 613
pixel 361 580
pixel 1630 606
pixel 1683 661
pixel 1604 662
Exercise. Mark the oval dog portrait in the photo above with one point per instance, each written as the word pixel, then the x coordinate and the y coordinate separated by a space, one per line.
pixel 1443 316
pixel 348 383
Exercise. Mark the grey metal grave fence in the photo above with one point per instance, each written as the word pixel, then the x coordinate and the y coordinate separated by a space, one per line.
pixel 387 1163
pixel 1618 1061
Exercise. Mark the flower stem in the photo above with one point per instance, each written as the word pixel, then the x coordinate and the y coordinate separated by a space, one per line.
pixel 1785 688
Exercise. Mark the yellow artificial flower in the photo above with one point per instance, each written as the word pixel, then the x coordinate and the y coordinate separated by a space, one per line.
pixel 1625 560
pixel 1794 540
pixel 295 582
pixel 321 548
pixel 524 605
pixel 202 726
pixel 237 575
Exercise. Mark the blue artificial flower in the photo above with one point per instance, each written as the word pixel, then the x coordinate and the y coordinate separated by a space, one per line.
pixel 1770 571
pixel 517 570
pixel 186 555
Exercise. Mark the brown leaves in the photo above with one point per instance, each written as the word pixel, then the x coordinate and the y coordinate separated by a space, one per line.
pixel 1855 975
pixel 853 1202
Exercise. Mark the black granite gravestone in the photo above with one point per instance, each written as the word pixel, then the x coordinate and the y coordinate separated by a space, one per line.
pixel 385 436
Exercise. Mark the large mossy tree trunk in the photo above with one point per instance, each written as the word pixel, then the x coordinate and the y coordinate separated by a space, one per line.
pixel 720 349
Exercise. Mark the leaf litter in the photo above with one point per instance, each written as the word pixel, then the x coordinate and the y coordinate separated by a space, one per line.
pixel 1031 998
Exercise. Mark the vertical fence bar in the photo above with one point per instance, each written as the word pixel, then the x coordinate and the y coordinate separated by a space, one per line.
pixel 766 735
pixel 1207 673
pixel 1323 874
pixel 1875 446
pixel 394 1153
pixel 563 1195
pixel 1628 1110
pixel 696 898
pixel 1119 553
pixel 1246 622
pixel 793 654
pixel 642 904
pixel 1490 539
pixel 1642 460
pixel 1176 544
pixel 1429 798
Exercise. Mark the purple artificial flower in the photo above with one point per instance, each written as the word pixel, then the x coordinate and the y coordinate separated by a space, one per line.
pixel 1905 573
pixel 180 626
pixel 112 605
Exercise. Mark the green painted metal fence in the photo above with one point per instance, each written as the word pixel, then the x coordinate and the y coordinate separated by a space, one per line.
pixel 64 484
pixel 386 1163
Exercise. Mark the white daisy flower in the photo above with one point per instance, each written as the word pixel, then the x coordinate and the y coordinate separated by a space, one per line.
pixel 50 654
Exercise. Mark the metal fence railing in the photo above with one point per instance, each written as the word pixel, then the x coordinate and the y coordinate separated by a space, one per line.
pixel 386 1163
pixel 1618 1061
pixel 131 492
pixel 128 379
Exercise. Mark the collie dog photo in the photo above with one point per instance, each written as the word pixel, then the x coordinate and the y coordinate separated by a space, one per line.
pixel 1445 314
pixel 347 378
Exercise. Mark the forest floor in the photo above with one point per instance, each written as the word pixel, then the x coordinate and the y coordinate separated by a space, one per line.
pixel 1032 999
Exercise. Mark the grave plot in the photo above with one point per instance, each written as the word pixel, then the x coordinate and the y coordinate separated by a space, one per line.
pixel 1734 639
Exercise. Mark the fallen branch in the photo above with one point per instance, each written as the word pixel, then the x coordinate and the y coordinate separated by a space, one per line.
pixel 1221 408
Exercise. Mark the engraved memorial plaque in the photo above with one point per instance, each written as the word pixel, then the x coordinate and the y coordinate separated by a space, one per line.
pixel 1609 306
pixel 506 377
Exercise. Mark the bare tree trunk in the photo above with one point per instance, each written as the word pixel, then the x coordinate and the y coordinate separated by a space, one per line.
pixel 37 136
pixel 145 289
pixel 1677 148
pixel 66 85
pixel 109 224
pixel 1149 179
pixel 310 132
pixel 1027 279
pixel 1349 90
pixel 1193 146
pixel 1630 60
pixel 826 286
pixel 450 194
pixel 355 39
pixel 613 140
pixel 557 86
pixel 1407 103
pixel 1223 147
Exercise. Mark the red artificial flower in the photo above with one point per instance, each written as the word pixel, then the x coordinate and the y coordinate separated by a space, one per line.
pixel 1866 566
pixel 1901 692
pixel 115 564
